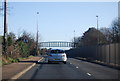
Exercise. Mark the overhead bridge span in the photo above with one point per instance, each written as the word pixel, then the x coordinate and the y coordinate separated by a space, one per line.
pixel 56 44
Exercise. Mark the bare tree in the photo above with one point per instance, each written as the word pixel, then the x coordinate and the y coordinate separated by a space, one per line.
pixel 116 30
pixel 77 41
pixel 108 34
pixel 90 37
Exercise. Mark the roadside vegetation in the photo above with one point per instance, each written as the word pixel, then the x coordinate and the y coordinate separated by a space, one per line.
pixel 102 36
pixel 19 48
pixel 100 46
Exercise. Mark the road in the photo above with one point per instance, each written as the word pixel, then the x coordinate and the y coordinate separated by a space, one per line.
pixel 74 69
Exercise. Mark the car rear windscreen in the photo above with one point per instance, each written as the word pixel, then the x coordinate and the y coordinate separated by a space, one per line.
pixel 57 51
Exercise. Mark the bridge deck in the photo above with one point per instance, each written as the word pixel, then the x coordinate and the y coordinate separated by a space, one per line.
pixel 56 44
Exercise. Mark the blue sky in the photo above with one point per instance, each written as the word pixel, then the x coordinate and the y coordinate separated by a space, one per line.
pixel 58 20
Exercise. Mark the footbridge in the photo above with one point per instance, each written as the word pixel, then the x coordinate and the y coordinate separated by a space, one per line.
pixel 56 44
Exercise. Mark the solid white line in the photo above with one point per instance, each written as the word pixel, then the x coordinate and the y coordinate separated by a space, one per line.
pixel 40 59
pixel 25 70
pixel 89 74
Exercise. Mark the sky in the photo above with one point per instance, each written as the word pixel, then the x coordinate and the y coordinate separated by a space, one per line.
pixel 58 20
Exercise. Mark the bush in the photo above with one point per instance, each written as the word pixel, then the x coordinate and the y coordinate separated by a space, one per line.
pixel 10 41
pixel 0 62
pixel 24 49
pixel 13 60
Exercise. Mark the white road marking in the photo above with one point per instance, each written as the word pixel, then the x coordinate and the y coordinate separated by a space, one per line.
pixel 77 67
pixel 70 63
pixel 89 74
pixel 40 59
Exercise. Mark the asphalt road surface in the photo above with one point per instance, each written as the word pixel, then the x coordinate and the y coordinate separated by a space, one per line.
pixel 74 69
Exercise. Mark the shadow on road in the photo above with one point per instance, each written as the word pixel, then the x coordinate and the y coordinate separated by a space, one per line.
pixel 28 61
pixel 48 63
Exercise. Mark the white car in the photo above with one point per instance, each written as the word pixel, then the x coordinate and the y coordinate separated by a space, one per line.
pixel 57 55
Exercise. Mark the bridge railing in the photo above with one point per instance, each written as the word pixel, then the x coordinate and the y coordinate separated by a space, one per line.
pixel 56 44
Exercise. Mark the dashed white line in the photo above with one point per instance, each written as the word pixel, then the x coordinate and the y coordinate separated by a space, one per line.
pixel 77 67
pixel 89 74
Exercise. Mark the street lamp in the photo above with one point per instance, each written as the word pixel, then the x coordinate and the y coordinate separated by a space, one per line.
pixel 97 29
pixel 37 36
pixel 74 38
pixel 98 53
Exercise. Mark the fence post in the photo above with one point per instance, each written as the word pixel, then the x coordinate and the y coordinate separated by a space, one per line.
pixel 109 53
pixel 115 54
